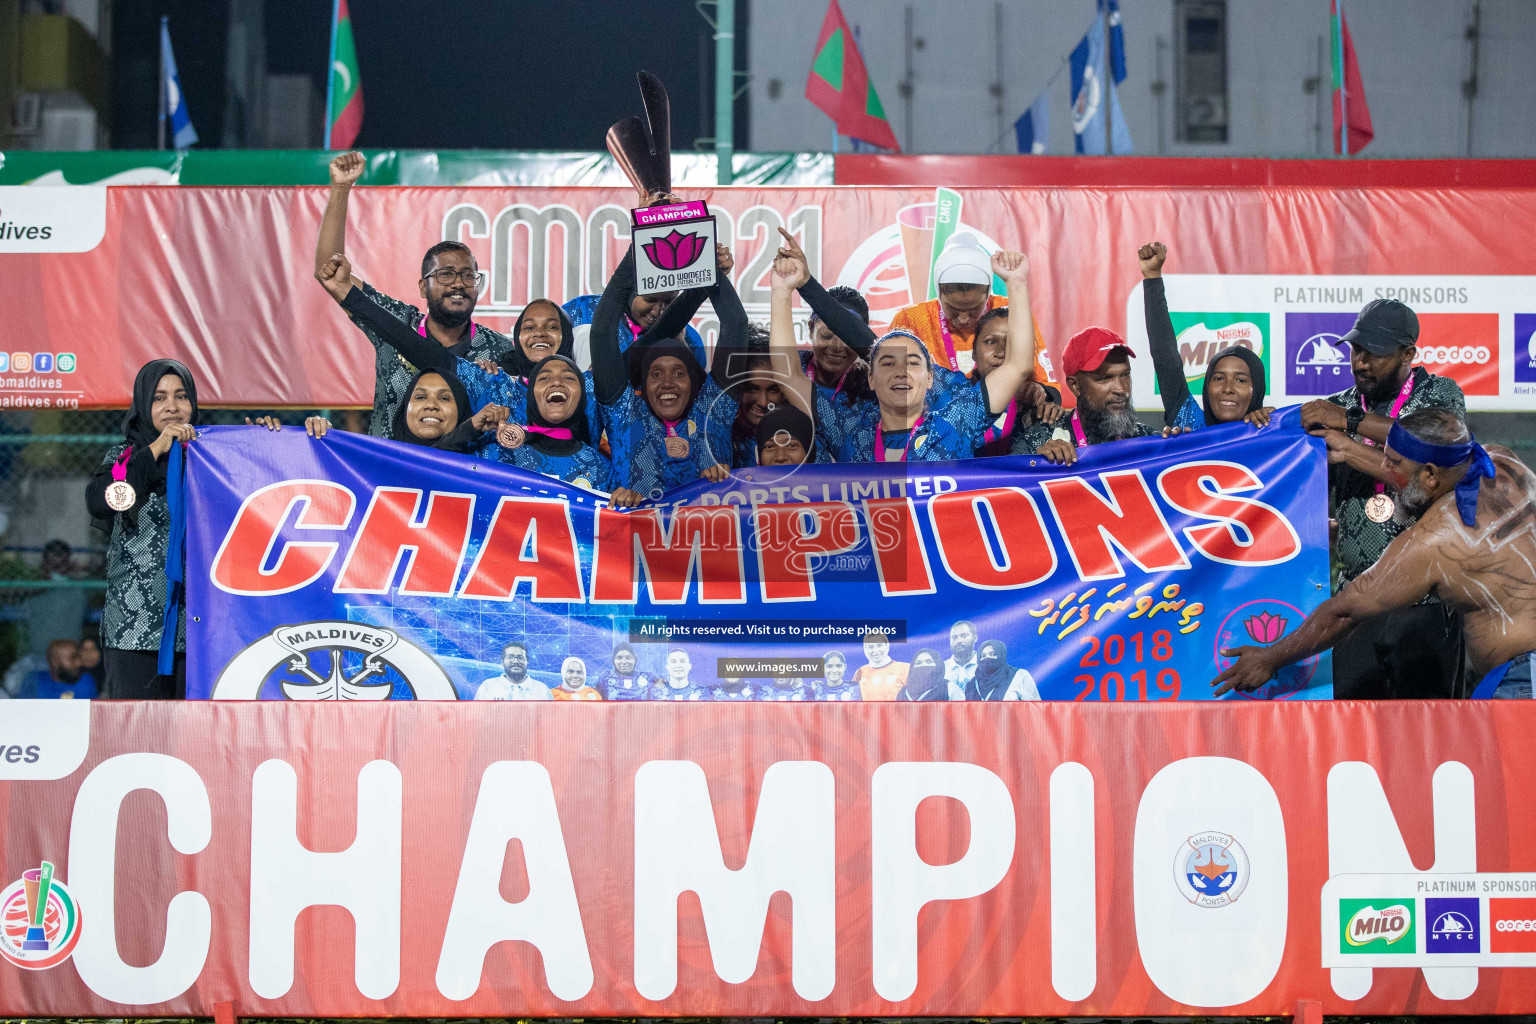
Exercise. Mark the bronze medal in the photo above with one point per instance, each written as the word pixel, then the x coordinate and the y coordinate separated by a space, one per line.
pixel 120 496
pixel 1379 508
pixel 677 448
pixel 511 435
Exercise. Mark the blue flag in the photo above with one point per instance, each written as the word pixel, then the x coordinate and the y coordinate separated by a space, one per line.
pixel 1090 71
pixel 1034 127
pixel 183 134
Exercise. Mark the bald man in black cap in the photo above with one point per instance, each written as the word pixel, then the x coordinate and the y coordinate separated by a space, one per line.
pixel 1416 652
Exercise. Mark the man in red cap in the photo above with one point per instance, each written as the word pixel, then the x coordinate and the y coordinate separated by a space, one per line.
pixel 1097 368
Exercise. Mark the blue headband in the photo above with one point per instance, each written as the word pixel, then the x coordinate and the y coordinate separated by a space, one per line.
pixel 1448 455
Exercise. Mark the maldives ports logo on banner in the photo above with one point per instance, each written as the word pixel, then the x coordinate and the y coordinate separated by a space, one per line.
pixel 1211 869
pixel 39 920
pixel 1202 335
pixel 1377 926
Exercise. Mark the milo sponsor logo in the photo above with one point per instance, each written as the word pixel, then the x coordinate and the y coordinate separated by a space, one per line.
pixel 1202 335
pixel 1377 926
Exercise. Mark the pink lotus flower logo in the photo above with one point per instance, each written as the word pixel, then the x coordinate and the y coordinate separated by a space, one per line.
pixel 1265 628
pixel 674 251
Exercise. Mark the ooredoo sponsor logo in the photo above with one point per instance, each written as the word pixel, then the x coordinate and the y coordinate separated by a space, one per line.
pixel 1462 346
pixel 1512 926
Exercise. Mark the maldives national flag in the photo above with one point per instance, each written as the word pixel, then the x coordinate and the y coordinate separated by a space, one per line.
pixel 839 84
pixel 344 99
pixel 1348 92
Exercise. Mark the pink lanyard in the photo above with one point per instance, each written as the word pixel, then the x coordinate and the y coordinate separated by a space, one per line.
pixel 558 433
pixel 949 342
pixel 810 371
pixel 1077 430
pixel 1010 416
pixel 120 467
pixel 1397 406
pixel 880 441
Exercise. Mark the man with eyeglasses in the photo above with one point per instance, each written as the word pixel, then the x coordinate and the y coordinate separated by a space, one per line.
pixel 450 282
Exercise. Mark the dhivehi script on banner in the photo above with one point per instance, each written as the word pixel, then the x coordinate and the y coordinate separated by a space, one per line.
pixel 352 568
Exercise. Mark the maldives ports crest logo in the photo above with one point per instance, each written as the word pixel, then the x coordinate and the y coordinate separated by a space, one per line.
pixel 333 660
pixel 1211 869
pixel 39 920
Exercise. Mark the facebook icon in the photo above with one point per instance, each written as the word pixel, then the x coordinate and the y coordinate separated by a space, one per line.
pixel 42 362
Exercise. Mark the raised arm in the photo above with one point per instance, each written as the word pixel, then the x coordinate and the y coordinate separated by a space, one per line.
pixel 840 320
pixel 1019 366
pixel 610 374
pixel 1403 575
pixel 345 170
pixel 425 353
pixel 733 329
pixel 1160 337
pixel 788 274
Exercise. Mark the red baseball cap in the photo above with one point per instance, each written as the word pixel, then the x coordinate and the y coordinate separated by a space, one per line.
pixel 1089 348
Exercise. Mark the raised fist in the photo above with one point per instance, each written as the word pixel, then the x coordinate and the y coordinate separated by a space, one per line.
pixel 347 168
pixel 1010 265
pixel 1151 256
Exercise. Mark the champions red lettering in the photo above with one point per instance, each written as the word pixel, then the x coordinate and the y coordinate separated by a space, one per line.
pixel 900 557
pixel 785 544
pixel 529 539
pixel 1270 538
pixel 238 567
pixel 1129 518
pixel 1027 554
pixel 433 547
pixel 702 538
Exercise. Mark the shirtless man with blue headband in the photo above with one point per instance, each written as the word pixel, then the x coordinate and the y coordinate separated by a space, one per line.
pixel 1473 546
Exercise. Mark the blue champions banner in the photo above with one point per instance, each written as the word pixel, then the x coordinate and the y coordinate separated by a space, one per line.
pixel 354 568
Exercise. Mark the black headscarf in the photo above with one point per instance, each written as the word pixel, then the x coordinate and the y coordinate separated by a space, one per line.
pixel 515 361
pixel 925 682
pixel 139 425
pixel 577 424
pixel 992 674
pixel 789 419
pixel 1255 372
pixel 457 439
pixel 641 358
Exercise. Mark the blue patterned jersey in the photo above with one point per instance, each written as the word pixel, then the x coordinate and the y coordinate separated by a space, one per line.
pixel 581 308
pixel 584 467
pixel 664 690
pixel 954 425
pixel 743 450
pixel 838 414
pixel 798 689
pixel 820 690
pixel 631 687
pixel 747 690
pixel 511 391
pixel 1190 416
pixel 638 441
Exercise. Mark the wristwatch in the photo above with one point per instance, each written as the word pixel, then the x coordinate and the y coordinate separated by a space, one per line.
pixel 1352 419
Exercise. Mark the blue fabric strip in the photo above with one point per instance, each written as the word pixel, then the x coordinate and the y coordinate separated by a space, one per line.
pixel 175 557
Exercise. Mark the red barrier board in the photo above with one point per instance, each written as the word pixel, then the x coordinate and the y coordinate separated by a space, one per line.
pixel 428 860
pixel 223 277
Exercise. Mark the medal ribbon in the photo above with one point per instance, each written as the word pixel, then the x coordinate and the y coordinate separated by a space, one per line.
pixel 1397 407
pixel 880 440
pixel 1077 431
pixel 558 433
pixel 120 467
pixel 421 329
pixel 810 371
pixel 1010 416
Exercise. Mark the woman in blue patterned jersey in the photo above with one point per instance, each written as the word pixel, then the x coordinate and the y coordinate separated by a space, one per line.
pixel 127 497
pixel 436 414
pixel 625 681
pixel 668 421
pixel 923 413
pixel 553 439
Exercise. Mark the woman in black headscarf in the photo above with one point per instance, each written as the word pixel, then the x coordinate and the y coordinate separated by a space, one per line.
pixel 435 414
pixel 127 497
pixel 996 679
pixel 554 440
pixel 925 678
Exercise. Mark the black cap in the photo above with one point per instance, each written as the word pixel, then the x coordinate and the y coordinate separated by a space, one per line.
pixel 786 419
pixel 1383 327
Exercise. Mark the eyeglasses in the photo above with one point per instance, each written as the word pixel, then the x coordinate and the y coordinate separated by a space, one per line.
pixel 446 276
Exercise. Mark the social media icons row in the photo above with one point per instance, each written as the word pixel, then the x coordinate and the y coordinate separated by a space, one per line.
pixel 37 362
